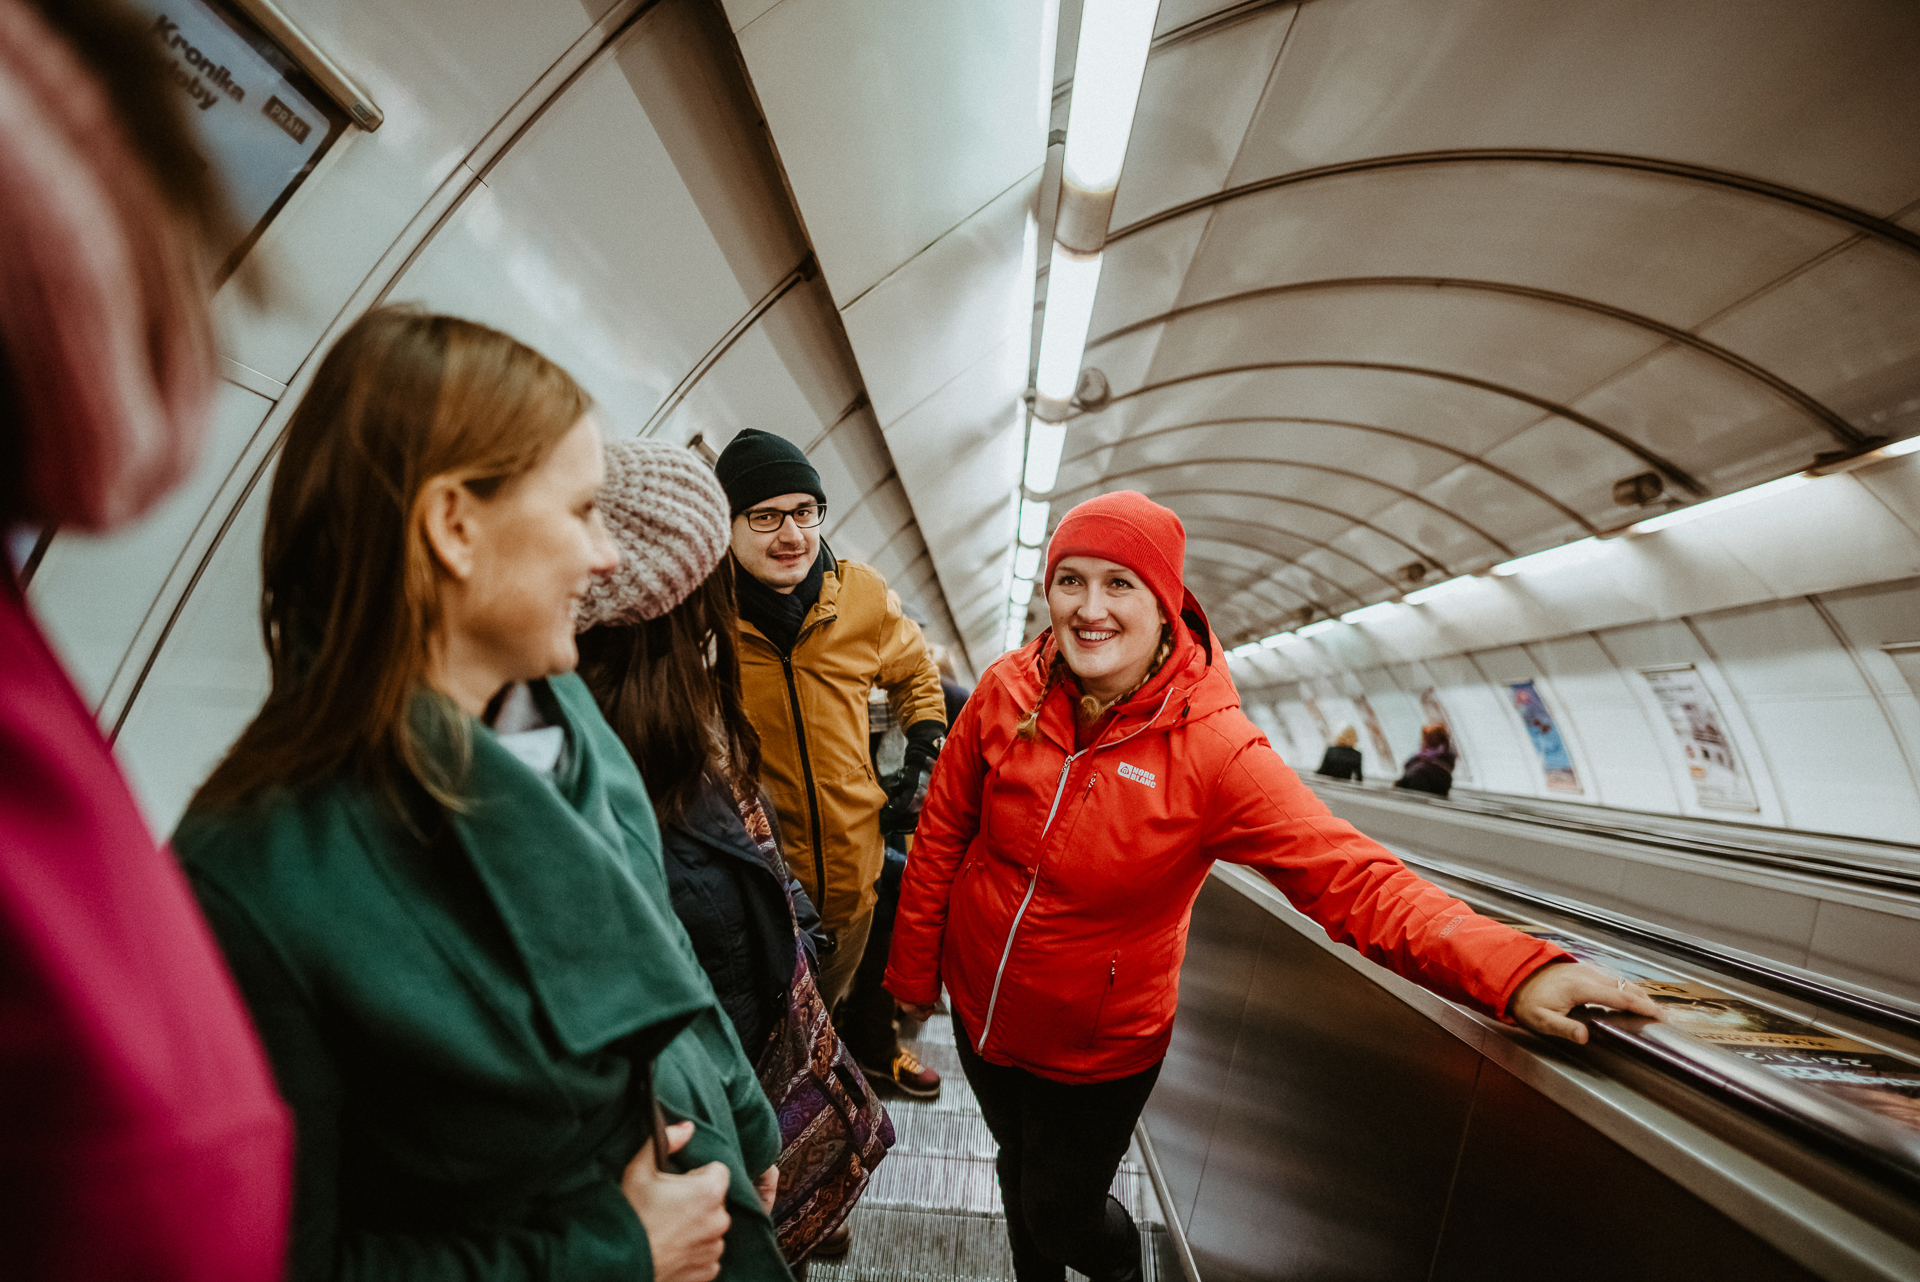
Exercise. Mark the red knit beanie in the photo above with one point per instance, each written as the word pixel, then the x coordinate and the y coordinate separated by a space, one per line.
pixel 1129 528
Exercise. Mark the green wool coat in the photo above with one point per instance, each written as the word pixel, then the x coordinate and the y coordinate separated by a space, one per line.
pixel 459 1021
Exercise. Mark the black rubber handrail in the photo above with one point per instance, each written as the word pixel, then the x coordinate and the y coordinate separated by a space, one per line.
pixel 1899 880
pixel 1852 1132
pixel 1880 1014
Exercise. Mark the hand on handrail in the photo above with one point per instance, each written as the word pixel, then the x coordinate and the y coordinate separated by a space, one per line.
pixel 1545 1002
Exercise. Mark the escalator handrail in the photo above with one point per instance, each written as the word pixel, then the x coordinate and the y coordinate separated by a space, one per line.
pixel 1895 879
pixel 1855 1131
pixel 1883 1014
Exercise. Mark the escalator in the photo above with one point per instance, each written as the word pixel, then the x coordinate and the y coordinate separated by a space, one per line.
pixel 1319 1117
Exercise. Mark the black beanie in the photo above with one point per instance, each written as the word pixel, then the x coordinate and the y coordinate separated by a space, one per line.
pixel 757 466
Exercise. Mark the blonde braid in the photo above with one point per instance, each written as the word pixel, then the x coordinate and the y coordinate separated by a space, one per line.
pixel 1056 673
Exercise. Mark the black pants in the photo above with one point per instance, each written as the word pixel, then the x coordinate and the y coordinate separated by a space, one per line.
pixel 864 1019
pixel 1060 1146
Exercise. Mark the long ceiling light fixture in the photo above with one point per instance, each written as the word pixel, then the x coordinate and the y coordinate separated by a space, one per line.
pixel 1115 36
pixel 1108 64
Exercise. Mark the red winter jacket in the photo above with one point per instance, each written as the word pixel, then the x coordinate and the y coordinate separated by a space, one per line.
pixel 1051 889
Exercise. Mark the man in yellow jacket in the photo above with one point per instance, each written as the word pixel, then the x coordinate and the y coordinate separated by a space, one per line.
pixel 817 633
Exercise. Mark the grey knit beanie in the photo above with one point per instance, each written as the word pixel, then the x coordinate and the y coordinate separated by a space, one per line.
pixel 668 514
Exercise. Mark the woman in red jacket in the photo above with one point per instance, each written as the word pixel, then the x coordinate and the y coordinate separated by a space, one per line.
pixel 1091 782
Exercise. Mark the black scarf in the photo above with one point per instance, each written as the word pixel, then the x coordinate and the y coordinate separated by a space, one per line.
pixel 779 615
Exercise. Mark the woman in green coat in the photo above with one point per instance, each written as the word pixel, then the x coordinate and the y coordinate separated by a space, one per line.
pixel 435 871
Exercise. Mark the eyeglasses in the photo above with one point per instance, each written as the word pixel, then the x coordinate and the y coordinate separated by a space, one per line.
pixel 765 520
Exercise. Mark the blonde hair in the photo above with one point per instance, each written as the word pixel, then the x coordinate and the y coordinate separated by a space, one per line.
pixel 1347 737
pixel 1086 707
pixel 350 587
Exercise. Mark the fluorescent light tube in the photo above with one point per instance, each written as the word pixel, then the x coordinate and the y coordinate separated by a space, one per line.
pixel 1115 36
pixel 1242 651
pixel 1026 562
pixel 1739 498
pixel 1315 629
pixel 1898 448
pixel 1552 558
pixel 1021 593
pixel 1072 281
pixel 1275 641
pixel 1045 443
pixel 1033 521
pixel 1368 613
pixel 1435 591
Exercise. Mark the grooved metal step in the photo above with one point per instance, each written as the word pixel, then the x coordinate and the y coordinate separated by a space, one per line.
pixel 932 1212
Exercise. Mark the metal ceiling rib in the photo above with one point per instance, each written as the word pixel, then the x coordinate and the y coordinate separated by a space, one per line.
pixel 1409 438
pixel 1859 219
pixel 1170 497
pixel 1237 463
pixel 1666 467
pixel 1842 431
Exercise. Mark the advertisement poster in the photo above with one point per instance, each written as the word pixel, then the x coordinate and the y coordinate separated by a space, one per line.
pixel 1374 732
pixel 261 129
pixel 1554 758
pixel 1434 713
pixel 1719 780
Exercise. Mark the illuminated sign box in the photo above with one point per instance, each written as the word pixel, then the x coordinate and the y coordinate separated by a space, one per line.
pixel 267 104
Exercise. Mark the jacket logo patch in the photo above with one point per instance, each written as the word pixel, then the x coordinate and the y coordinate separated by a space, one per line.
pixel 1135 773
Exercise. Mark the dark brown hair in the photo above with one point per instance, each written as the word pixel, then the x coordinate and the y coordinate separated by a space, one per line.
pixel 670 688
pixel 350 587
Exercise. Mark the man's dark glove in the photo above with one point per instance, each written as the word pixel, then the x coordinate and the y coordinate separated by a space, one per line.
pixel 907 786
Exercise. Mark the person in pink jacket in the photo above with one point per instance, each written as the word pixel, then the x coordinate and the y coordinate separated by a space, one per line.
pixel 1089 785
pixel 140 1135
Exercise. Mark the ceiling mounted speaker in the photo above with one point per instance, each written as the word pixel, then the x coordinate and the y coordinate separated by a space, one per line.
pixel 1639 491
pixel 1412 573
pixel 1093 392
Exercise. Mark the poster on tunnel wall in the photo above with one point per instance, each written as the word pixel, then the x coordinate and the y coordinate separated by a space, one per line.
pixel 262 128
pixel 1545 736
pixel 1719 780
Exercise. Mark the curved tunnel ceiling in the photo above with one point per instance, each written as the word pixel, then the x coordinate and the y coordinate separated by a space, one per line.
pixel 1585 268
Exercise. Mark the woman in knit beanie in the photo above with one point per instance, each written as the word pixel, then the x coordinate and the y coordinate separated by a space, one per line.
pixel 657 650
pixel 1083 796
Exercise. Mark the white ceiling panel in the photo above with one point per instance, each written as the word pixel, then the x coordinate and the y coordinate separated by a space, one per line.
pixel 546 251
pixel 1823 97
pixel 1727 429
pixel 1551 351
pixel 896 122
pixel 749 386
pixel 1846 330
pixel 942 310
pixel 1196 100
pixel 1143 275
pixel 959 454
pixel 1659 246
pixel 444 72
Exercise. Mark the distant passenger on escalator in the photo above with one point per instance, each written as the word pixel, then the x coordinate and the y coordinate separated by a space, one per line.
pixel 1342 759
pixel 435 871
pixel 1090 783
pixel 1431 768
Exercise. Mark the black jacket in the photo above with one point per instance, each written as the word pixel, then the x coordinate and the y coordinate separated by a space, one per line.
pixel 1341 762
pixel 734 907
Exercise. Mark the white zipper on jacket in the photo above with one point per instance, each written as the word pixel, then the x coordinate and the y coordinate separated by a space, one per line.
pixel 1033 882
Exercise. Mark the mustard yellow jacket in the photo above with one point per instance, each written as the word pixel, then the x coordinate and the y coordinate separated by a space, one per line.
pixel 810 708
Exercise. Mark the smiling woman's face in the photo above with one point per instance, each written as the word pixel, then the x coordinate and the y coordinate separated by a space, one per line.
pixel 1106 621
